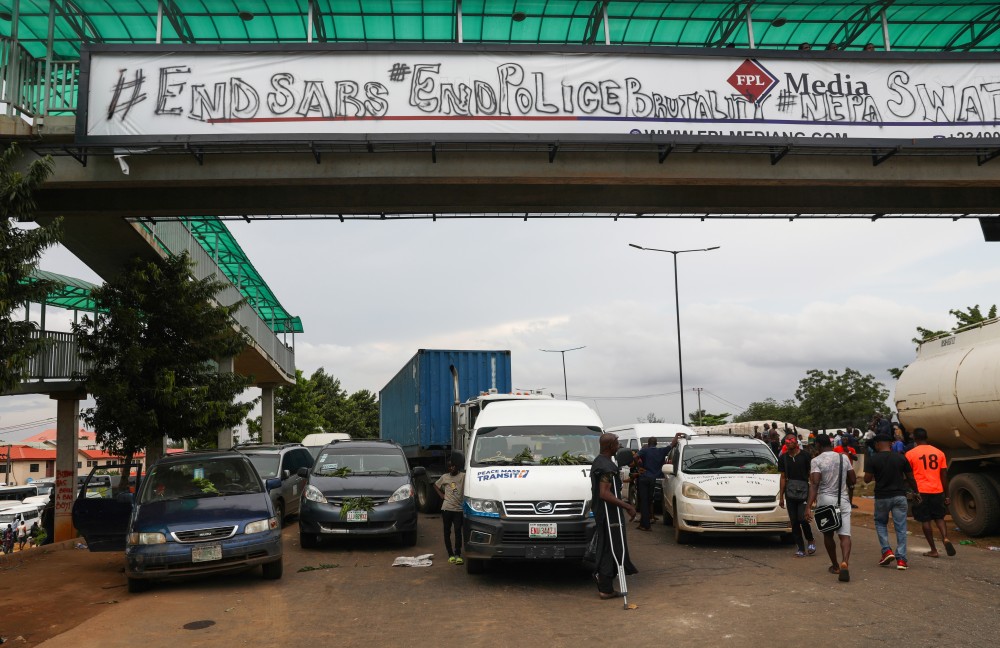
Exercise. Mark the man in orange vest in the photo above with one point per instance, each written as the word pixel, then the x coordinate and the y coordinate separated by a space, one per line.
pixel 930 471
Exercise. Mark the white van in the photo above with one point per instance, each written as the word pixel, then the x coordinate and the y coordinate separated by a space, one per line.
pixel 634 436
pixel 14 514
pixel 527 482
pixel 315 442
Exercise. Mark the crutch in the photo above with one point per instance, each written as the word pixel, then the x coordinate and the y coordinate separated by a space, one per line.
pixel 620 562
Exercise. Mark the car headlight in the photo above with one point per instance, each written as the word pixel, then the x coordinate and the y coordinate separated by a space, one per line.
pixel 693 491
pixel 146 538
pixel 260 526
pixel 482 507
pixel 404 492
pixel 313 494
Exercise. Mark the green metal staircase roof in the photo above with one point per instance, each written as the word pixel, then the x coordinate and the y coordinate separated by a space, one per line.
pixel 912 25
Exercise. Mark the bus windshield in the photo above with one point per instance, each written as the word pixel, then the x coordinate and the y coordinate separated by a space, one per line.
pixel 535 445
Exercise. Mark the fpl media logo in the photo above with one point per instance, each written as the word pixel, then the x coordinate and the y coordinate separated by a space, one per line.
pixel 753 81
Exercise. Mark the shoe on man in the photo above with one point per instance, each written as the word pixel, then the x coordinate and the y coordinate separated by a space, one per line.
pixel 887 557
pixel 458 560
pixel 901 564
pixel 453 559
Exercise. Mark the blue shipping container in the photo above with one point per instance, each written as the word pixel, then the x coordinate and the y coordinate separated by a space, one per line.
pixel 415 406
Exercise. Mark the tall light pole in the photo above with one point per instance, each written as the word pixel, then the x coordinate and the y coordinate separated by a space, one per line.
pixel 563 352
pixel 677 305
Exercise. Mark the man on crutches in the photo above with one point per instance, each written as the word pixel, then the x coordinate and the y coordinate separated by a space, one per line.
pixel 612 557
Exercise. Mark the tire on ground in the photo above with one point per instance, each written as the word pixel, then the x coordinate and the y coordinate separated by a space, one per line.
pixel 975 504
pixel 273 570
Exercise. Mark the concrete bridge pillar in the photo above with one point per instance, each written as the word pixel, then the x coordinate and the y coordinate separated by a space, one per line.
pixel 225 439
pixel 267 414
pixel 67 450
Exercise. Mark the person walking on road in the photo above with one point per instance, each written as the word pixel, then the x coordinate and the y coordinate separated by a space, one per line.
pixel 930 472
pixel 794 491
pixel 890 472
pixel 605 482
pixel 22 535
pixel 450 488
pixel 652 459
pixel 829 473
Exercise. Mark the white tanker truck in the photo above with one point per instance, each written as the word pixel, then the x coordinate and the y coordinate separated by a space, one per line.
pixel 952 390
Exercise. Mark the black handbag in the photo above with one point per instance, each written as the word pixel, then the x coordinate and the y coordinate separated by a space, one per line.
pixel 828 517
pixel 797 489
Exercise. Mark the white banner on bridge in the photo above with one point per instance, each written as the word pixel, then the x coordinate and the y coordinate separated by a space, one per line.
pixel 200 95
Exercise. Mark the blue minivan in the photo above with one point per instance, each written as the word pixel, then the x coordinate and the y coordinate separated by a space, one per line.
pixel 194 513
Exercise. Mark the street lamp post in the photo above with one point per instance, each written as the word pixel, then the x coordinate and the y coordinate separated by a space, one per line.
pixel 677 306
pixel 563 352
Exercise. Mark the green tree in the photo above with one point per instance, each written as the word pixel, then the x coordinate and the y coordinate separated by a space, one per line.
pixel 701 417
pixel 20 250
pixel 651 418
pixel 769 410
pixel 153 357
pixel 355 414
pixel 296 411
pixel 972 315
pixel 830 399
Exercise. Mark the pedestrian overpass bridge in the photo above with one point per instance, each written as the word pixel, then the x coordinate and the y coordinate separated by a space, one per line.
pixel 695 78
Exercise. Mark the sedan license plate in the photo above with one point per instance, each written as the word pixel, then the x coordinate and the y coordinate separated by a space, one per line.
pixel 542 530
pixel 357 516
pixel 206 553
pixel 746 520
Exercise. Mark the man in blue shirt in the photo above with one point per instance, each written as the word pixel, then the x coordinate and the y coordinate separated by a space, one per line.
pixel 652 459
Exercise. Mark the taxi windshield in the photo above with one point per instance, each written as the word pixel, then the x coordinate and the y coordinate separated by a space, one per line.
pixel 727 459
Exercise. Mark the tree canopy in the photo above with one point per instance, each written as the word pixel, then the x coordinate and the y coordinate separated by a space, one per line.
pixel 154 359
pixel 769 410
pixel 701 417
pixel 829 399
pixel 320 402
pixel 20 250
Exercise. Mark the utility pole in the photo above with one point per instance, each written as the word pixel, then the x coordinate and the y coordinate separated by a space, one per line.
pixel 699 390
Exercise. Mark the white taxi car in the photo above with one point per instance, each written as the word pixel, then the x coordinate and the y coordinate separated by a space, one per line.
pixel 722 484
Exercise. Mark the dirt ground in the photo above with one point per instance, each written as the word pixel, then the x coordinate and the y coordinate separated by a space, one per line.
pixel 717 591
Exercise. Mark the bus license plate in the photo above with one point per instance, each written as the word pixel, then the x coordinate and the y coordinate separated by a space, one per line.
pixel 542 530
pixel 206 553
pixel 357 516
pixel 746 520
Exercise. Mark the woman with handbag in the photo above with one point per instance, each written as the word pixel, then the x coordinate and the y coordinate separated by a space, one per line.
pixel 828 475
pixel 794 466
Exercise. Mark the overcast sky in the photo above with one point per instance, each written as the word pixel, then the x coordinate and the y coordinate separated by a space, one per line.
pixel 779 298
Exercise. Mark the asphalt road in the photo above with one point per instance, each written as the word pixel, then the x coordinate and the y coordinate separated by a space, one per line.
pixel 732 591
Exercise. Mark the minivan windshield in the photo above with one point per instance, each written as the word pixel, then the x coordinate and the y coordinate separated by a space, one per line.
pixel 340 462
pixel 724 458
pixel 535 445
pixel 200 478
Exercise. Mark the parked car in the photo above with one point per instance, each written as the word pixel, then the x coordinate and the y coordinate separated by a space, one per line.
pixel 359 488
pixel 635 437
pixel 722 484
pixel 283 461
pixel 195 513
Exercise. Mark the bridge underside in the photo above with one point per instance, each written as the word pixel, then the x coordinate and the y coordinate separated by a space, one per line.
pixel 451 179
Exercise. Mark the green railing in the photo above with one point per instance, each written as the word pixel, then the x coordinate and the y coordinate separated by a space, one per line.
pixel 33 87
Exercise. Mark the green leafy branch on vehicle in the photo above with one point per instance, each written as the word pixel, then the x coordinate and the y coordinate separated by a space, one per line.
pixel 524 455
pixel 205 485
pixel 565 459
pixel 361 503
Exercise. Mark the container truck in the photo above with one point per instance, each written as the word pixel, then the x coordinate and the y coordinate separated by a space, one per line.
pixel 952 390
pixel 426 406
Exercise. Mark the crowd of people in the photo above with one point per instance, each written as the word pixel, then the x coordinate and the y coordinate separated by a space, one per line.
pixel 20 536
pixel 816 486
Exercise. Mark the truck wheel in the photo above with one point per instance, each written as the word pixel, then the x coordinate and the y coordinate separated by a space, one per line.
pixel 427 498
pixel 975 504
pixel 475 566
